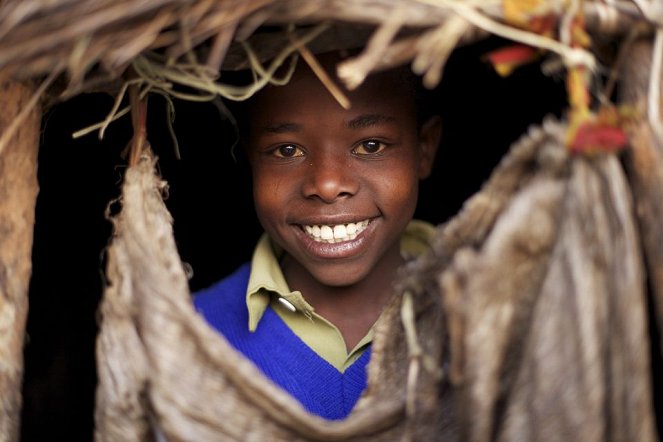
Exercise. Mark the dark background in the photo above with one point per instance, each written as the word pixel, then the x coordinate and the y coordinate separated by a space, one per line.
pixel 210 199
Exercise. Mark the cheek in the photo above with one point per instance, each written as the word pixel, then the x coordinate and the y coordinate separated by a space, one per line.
pixel 399 189
pixel 272 195
pixel 265 194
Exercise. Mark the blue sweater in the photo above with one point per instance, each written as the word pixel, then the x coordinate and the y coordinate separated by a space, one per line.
pixel 279 353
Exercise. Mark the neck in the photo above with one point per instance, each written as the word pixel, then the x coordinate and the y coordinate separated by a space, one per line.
pixel 354 308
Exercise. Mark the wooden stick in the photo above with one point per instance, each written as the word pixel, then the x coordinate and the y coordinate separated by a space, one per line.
pixel 322 75
pixel 18 187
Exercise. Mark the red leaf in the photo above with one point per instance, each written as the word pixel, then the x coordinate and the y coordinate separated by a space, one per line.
pixel 506 59
pixel 591 137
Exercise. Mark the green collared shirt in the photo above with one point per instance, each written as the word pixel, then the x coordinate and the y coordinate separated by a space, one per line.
pixel 267 286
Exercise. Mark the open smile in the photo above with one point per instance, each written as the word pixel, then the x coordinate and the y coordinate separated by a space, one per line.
pixel 336 233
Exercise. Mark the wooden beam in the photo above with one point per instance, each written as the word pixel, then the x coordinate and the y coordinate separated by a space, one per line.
pixel 18 195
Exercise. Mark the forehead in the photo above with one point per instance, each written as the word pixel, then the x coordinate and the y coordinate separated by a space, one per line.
pixel 390 93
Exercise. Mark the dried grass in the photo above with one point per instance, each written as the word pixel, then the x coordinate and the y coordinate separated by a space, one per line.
pixel 99 40
pixel 173 47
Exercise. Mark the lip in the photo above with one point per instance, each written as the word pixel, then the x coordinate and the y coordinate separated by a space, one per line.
pixel 341 250
pixel 332 220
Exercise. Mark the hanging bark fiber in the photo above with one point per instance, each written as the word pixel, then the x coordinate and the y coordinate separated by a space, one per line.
pixel 525 322
pixel 541 281
pixel 163 370
pixel 644 162
pixel 19 135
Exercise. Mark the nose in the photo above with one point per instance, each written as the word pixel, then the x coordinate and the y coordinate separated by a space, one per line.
pixel 329 179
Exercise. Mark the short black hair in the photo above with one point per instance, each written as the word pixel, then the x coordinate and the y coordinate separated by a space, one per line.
pixel 426 101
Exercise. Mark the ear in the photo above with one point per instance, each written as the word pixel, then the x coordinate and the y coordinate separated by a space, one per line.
pixel 429 140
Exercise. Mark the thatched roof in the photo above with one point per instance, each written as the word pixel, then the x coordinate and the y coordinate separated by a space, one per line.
pixel 101 43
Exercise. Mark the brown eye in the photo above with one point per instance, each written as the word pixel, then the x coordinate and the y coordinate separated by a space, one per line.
pixel 369 147
pixel 288 151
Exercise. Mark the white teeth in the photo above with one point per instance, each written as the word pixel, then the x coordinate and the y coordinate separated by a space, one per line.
pixel 338 233
pixel 326 232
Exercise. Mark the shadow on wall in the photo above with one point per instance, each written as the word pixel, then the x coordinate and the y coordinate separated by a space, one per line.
pixel 210 199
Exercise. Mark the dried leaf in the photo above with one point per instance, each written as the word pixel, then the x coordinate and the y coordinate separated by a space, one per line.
pixel 594 137
pixel 506 59
pixel 520 12
pixel 600 132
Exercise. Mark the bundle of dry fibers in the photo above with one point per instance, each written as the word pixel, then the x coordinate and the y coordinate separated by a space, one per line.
pixel 541 281
pixel 163 370
pixel 644 166
pixel 93 45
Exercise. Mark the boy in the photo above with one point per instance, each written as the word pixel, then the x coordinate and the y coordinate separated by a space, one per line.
pixel 335 191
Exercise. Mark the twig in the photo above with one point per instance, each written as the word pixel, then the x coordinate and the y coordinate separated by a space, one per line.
pixel 160 78
pixel 571 56
pixel 414 351
pixel 416 354
pixel 613 76
pixel 116 106
pixel 651 10
pixel 122 55
pixel 163 76
pixel 76 60
pixel 608 16
pixel 92 128
pixel 170 111
pixel 434 51
pixel 322 75
pixel 354 72
pixel 113 115
pixel 139 123
pixel 219 48
pixel 567 22
pixel 654 98
pixel 626 7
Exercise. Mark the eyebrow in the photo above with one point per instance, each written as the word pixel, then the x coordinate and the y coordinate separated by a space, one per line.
pixel 281 128
pixel 369 120
pixel 360 122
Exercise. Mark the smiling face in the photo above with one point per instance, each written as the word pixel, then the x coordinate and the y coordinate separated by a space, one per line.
pixel 336 188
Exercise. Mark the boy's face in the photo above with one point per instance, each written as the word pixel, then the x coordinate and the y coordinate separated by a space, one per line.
pixel 319 169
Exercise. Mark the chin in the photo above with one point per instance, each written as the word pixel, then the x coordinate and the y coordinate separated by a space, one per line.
pixel 338 278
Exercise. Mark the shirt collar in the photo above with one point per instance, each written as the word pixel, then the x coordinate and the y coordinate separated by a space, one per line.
pixel 267 277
